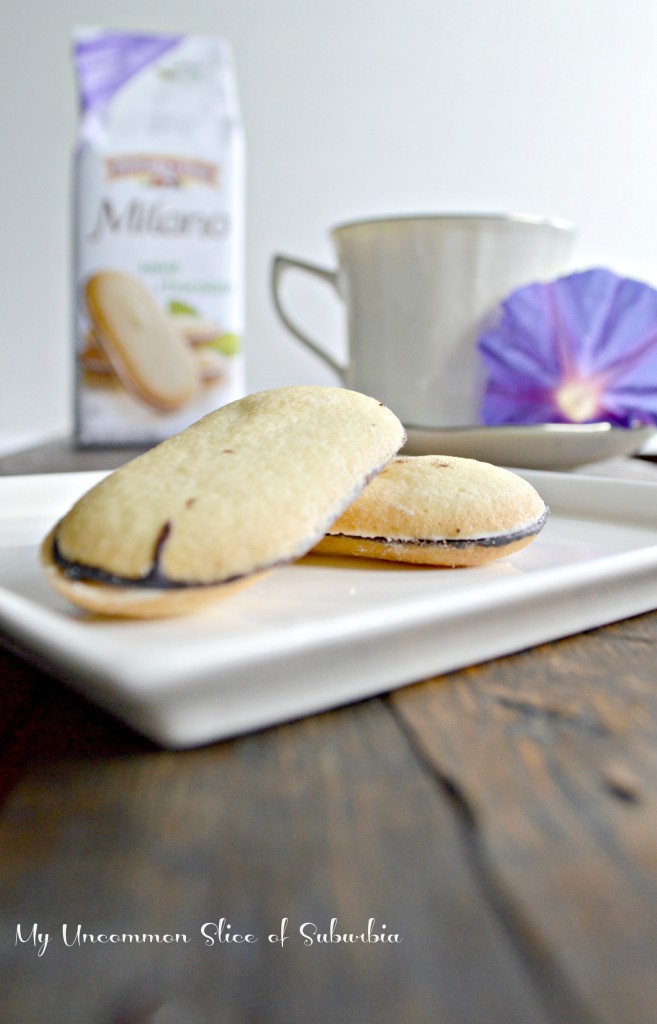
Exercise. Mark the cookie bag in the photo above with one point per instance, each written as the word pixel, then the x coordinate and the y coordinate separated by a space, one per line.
pixel 158 290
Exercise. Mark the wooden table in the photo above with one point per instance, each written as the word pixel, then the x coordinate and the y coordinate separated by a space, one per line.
pixel 501 820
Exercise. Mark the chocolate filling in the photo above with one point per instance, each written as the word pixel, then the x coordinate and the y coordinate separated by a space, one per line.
pixel 155 579
pixel 499 541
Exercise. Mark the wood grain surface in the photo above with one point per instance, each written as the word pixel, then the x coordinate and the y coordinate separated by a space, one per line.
pixel 330 817
pixel 501 819
pixel 552 759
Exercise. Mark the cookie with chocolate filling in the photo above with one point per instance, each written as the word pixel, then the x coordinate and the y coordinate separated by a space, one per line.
pixel 136 337
pixel 250 486
pixel 439 510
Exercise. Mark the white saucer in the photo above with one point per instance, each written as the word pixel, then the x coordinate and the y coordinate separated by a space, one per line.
pixel 545 446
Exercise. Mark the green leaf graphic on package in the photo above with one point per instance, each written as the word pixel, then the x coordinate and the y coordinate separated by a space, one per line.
pixel 182 308
pixel 198 331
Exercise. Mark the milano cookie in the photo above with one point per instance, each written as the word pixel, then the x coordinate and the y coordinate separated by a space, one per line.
pixel 147 354
pixel 248 487
pixel 439 510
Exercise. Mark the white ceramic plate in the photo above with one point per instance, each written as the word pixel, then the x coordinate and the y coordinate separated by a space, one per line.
pixel 324 632
pixel 554 446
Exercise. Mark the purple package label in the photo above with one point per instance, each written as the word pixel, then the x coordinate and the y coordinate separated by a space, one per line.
pixel 106 61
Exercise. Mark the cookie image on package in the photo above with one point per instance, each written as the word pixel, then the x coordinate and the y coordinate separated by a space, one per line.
pixel 251 486
pixel 147 354
pixel 439 510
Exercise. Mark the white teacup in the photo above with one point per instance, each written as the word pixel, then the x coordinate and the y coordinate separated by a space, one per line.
pixel 417 291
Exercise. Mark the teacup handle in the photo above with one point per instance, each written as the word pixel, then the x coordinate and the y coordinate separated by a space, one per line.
pixel 279 266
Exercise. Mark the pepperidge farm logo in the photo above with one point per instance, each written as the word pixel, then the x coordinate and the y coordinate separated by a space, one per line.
pixel 161 171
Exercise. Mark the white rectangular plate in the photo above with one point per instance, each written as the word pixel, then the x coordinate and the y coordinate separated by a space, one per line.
pixel 323 632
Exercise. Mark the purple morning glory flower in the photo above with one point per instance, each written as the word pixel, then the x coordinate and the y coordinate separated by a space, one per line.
pixel 581 349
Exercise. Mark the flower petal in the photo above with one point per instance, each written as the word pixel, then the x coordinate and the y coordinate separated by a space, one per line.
pixel 582 348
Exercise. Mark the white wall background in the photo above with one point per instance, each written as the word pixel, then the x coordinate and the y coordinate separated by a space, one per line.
pixel 351 107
